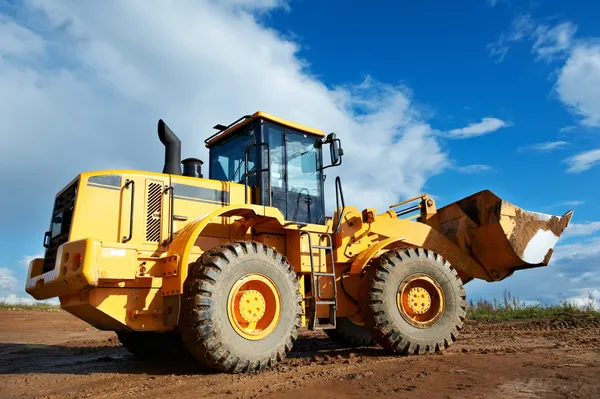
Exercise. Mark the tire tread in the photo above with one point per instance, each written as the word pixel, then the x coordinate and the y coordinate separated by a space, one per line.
pixel 378 320
pixel 202 337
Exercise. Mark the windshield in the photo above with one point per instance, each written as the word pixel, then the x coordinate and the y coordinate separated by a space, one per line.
pixel 228 156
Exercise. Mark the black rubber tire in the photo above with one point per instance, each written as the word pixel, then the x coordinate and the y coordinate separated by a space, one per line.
pixel 380 310
pixel 349 335
pixel 207 331
pixel 147 345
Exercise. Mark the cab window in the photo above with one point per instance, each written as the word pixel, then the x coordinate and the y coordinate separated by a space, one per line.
pixel 228 156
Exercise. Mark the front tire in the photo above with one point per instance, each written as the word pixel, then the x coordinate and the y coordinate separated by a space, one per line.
pixel 242 307
pixel 414 301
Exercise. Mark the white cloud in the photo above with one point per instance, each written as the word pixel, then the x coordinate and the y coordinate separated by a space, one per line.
pixel 253 4
pixel 7 279
pixel 485 126
pixel 549 42
pixel 28 258
pixel 16 41
pixel 577 79
pixel 583 161
pixel 552 42
pixel 546 146
pixel 472 169
pixel 589 248
pixel 570 203
pixel 586 297
pixel 578 82
pixel 581 229
pixel 586 276
pixel 13 299
pixel 520 29
pixel 567 129
pixel 120 66
pixel 571 274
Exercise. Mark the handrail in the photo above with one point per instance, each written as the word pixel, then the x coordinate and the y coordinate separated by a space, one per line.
pixel 267 169
pixel 410 209
pixel 132 183
pixel 339 194
pixel 172 211
pixel 419 197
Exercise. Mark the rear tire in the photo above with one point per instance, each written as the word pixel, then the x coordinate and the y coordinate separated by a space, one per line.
pixel 349 334
pixel 149 345
pixel 241 308
pixel 430 311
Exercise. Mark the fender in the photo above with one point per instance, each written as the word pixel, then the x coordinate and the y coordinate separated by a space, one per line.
pixel 364 257
pixel 423 236
pixel 183 242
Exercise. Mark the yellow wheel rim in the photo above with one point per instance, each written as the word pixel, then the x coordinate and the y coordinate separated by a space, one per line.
pixel 254 306
pixel 420 300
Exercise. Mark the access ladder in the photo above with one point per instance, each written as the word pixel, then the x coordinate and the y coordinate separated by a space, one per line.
pixel 316 299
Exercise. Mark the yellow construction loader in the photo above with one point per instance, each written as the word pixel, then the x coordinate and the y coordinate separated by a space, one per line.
pixel 228 268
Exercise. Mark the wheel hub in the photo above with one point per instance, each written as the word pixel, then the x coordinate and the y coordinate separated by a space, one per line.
pixel 252 306
pixel 419 300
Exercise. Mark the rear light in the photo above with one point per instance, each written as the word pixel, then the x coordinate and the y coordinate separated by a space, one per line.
pixel 77 259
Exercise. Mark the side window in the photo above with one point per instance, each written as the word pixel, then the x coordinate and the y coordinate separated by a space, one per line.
pixel 228 158
pixel 303 188
pixel 275 141
pixel 274 138
pixel 302 166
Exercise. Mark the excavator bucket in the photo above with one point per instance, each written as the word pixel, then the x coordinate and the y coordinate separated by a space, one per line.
pixel 500 236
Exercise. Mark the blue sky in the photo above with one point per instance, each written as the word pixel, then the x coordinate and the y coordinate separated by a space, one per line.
pixel 426 97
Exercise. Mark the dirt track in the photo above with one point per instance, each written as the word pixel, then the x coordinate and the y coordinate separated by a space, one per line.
pixel 54 355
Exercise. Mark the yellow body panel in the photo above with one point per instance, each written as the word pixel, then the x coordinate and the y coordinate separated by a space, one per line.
pixel 151 260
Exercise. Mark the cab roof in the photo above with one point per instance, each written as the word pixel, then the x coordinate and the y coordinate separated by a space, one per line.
pixel 226 130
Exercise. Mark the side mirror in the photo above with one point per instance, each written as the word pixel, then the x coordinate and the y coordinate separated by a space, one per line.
pixel 335 149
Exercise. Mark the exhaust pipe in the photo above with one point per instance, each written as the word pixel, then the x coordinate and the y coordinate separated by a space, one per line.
pixel 172 149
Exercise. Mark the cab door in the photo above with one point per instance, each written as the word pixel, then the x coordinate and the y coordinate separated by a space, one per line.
pixel 274 137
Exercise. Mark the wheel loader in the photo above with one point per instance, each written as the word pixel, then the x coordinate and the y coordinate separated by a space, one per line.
pixel 227 268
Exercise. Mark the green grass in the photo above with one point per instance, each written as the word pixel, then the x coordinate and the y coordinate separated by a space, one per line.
pixel 506 309
pixel 511 308
pixel 25 306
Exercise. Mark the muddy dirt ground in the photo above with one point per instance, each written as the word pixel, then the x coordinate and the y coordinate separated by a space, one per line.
pixel 54 355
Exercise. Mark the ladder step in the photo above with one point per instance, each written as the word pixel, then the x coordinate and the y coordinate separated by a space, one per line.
pixel 324 274
pixel 324 326
pixel 315 301
pixel 332 302
pixel 322 247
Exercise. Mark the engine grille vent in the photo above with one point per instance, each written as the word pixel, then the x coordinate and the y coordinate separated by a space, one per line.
pixel 154 209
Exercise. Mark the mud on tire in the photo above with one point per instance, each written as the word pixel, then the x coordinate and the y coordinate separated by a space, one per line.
pixel 380 307
pixel 208 331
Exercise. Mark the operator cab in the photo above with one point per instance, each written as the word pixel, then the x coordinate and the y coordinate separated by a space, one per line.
pixel 282 161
